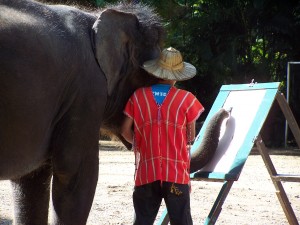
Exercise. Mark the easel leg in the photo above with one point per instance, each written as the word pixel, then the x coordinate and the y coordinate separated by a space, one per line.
pixel 280 192
pixel 285 108
pixel 164 219
pixel 217 207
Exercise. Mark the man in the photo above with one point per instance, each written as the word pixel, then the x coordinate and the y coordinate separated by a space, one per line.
pixel 160 123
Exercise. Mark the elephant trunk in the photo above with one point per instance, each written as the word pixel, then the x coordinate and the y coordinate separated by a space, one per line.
pixel 204 153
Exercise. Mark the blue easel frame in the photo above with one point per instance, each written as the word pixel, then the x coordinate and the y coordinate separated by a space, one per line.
pixel 261 115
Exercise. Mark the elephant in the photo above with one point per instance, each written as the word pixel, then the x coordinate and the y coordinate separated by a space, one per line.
pixel 64 74
pixel 209 143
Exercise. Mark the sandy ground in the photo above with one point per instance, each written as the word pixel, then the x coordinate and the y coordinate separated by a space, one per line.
pixel 252 199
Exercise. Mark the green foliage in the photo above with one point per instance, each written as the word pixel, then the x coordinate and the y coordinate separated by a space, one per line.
pixel 232 41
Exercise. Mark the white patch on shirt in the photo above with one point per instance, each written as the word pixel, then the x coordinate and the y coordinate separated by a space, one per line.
pixel 158 93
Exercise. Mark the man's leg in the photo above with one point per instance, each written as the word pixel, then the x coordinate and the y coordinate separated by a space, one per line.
pixel 177 199
pixel 146 202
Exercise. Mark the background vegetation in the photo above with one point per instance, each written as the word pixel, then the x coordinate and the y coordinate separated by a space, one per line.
pixel 230 42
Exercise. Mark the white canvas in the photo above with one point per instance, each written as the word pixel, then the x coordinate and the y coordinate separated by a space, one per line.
pixel 245 105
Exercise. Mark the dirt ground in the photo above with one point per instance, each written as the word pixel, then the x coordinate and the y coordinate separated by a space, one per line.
pixel 251 201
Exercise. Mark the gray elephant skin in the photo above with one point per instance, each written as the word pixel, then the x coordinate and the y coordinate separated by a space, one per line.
pixel 210 141
pixel 64 73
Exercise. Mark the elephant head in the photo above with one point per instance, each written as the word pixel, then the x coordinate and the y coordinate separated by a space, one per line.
pixel 125 36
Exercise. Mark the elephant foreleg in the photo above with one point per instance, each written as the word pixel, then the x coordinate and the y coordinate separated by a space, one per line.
pixel 31 197
pixel 75 168
pixel 72 194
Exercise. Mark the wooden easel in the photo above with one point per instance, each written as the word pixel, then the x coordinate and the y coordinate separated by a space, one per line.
pixel 229 95
pixel 277 178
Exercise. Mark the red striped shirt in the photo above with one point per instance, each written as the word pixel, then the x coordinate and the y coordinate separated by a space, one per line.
pixel 160 135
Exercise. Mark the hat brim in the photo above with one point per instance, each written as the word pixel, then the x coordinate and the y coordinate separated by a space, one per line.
pixel 187 72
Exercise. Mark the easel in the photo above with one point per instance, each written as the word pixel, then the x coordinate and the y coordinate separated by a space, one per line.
pixel 236 150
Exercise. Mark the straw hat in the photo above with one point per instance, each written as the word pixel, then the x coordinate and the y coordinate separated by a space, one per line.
pixel 170 66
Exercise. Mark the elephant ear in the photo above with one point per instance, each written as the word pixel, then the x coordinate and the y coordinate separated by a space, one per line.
pixel 113 32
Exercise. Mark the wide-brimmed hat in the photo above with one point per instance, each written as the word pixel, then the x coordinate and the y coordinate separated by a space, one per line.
pixel 170 66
